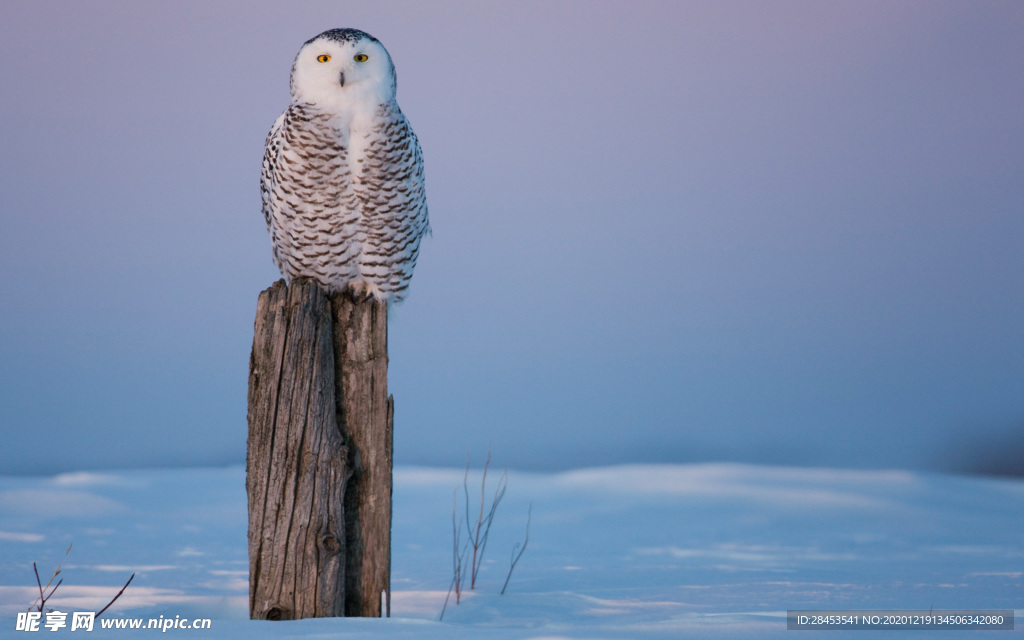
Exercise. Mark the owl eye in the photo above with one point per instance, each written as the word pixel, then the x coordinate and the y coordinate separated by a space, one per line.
pixel 361 57
pixel 323 57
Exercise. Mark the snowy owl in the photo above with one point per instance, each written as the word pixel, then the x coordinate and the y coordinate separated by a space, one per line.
pixel 342 181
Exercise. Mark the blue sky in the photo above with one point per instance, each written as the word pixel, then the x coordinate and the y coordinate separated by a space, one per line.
pixel 784 232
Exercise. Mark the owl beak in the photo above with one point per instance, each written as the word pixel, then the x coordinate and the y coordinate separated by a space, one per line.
pixel 342 78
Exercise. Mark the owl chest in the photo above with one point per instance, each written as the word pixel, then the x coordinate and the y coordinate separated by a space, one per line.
pixel 334 156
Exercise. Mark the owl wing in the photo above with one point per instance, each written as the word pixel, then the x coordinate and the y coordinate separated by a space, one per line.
pixel 268 178
pixel 394 201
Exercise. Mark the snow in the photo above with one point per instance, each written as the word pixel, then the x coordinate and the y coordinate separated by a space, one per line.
pixel 645 551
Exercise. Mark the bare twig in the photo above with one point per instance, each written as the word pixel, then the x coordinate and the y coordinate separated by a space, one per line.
pixel 50 595
pixel 458 570
pixel 521 549
pixel 478 537
pixel 457 556
pixel 499 493
pixel 449 595
pixel 44 598
pixel 117 596
pixel 465 490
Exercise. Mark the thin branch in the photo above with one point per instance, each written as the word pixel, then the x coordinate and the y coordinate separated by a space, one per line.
pixel 516 556
pixel 39 583
pixel 499 493
pixel 117 596
pixel 478 537
pixel 42 598
pixel 449 595
pixel 457 557
pixel 479 522
pixel 50 595
pixel 465 490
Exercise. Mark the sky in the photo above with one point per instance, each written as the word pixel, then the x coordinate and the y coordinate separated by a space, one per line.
pixel 774 232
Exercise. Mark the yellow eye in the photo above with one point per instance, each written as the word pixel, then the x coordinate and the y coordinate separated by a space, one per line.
pixel 361 57
pixel 323 57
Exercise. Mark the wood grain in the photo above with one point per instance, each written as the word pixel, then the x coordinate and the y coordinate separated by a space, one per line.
pixel 365 412
pixel 318 465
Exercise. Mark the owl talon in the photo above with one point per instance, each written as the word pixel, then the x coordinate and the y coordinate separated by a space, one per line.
pixel 361 291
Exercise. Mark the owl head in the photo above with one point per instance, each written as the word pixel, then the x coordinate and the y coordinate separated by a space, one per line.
pixel 342 68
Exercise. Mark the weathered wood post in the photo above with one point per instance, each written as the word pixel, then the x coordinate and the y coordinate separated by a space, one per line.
pixel 318 466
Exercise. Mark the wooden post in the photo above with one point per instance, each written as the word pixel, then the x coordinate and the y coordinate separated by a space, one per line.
pixel 366 416
pixel 318 466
